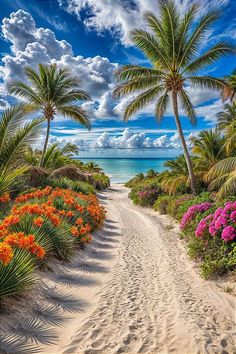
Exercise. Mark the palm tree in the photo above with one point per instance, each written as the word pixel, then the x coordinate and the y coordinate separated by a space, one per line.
pixel 227 123
pixel 93 167
pixel 209 148
pixel 54 157
pixel 176 176
pixel 223 177
pixel 14 140
pixel 52 91
pixel 229 92
pixel 172 45
pixel 151 173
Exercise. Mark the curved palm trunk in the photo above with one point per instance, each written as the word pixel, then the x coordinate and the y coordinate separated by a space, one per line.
pixel 45 142
pixel 181 135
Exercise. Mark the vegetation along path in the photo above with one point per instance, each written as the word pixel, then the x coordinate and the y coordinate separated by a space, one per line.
pixel 154 300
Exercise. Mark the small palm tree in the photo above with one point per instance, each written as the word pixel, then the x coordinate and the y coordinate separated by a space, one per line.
pixel 209 147
pixel 222 177
pixel 227 123
pixel 229 92
pixel 176 176
pixel 93 167
pixel 52 91
pixel 14 140
pixel 172 46
pixel 151 173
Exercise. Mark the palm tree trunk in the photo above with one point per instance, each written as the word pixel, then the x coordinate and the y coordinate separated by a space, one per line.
pixel 45 142
pixel 183 142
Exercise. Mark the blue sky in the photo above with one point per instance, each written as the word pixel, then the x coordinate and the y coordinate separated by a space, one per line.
pixel 91 36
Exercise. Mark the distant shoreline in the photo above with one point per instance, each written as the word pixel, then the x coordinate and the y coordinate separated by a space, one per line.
pixel 125 158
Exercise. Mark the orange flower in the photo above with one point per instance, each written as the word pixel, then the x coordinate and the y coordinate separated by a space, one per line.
pixel 79 221
pixel 74 231
pixel 6 253
pixel 38 221
pixel 38 251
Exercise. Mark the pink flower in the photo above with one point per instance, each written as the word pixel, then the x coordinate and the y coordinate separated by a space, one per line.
pixel 212 230
pixel 233 215
pixel 229 233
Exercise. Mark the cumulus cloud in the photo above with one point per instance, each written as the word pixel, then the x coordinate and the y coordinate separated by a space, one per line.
pixel 121 16
pixel 31 45
pixel 97 73
pixel 129 139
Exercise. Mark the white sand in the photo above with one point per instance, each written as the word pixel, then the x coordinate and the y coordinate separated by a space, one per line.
pixel 134 290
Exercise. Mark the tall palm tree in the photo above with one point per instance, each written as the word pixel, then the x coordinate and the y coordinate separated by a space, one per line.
pixel 227 123
pixel 52 91
pixel 172 45
pixel 15 136
pixel 229 92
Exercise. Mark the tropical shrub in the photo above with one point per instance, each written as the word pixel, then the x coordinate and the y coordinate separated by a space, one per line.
pixel 145 194
pixel 190 214
pixel 101 181
pixel 45 223
pixel 183 203
pixel 162 202
pixel 77 186
pixel 216 233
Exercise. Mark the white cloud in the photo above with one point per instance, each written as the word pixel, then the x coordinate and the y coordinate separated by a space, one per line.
pixel 32 45
pixel 209 111
pixel 3 104
pixel 96 74
pixel 129 139
pixel 121 16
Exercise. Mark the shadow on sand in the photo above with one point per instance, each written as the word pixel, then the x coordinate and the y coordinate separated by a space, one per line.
pixel 24 330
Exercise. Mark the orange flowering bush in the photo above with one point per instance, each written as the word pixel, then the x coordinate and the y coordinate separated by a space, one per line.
pixel 49 220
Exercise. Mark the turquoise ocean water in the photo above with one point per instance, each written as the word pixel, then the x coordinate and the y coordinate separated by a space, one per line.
pixel 120 170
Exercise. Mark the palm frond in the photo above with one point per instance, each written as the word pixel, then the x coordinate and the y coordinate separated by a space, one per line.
pixel 190 47
pixel 135 85
pixel 170 22
pixel 24 91
pixel 141 101
pixel 207 82
pixel 129 72
pixel 216 52
pixel 147 43
pixel 188 106
pixel 76 113
pixel 15 146
pixel 161 106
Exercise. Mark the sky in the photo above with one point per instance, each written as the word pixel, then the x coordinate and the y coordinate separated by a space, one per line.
pixel 92 38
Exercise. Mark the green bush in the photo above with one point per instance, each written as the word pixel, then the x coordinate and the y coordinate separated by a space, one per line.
pixel 145 194
pixel 101 180
pixel 77 186
pixel 162 203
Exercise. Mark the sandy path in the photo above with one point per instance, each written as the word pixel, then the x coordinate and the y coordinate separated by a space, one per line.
pixel 154 301
pixel 133 290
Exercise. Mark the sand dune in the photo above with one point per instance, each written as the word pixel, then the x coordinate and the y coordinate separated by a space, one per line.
pixel 134 290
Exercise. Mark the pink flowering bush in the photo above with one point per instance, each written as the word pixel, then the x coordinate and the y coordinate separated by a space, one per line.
pixel 145 195
pixel 190 214
pixel 220 224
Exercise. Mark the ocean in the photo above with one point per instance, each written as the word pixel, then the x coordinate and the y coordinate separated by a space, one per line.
pixel 120 170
